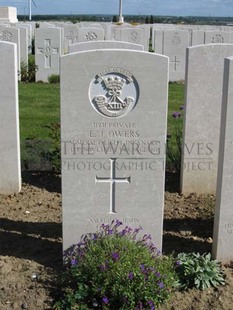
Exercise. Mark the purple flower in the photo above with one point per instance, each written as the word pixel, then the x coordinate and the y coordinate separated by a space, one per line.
pixel 151 304
pixel 161 285
pixel 178 263
pixel 81 244
pixel 142 267
pixel 130 276
pixel 102 267
pixel 182 107
pixel 115 256
pixel 105 300
pixel 73 262
pixel 158 274
pixel 94 237
pixel 118 223
pixel 139 305
pixel 136 230
pixel 176 114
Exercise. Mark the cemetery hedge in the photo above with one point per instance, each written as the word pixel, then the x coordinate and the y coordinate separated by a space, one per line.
pixel 31 231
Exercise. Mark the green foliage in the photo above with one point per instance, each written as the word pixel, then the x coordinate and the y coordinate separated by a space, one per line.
pixel 175 126
pixel 38 107
pixel 199 271
pixel 114 19
pixel 174 142
pixel 151 19
pixel 114 269
pixel 54 152
pixel 54 78
pixel 28 70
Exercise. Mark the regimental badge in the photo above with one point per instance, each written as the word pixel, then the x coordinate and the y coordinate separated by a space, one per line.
pixel 176 39
pixel 114 92
pixel 217 38
pixel 6 35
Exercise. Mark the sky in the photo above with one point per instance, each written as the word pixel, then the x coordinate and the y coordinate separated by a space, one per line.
pixel 134 7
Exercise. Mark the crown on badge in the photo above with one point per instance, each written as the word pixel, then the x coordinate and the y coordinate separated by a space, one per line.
pixel 114 82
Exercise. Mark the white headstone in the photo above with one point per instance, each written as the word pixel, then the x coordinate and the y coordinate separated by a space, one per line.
pixel 223 222
pixel 10 176
pixel 23 44
pixel 217 37
pixel 113 132
pixel 87 34
pixel 91 45
pixel 175 43
pixel 204 78
pixel 8 14
pixel 47 52
pixel 12 35
pixel 70 36
pixel 133 35
pixel 158 41
pixel 198 37
pixel 30 34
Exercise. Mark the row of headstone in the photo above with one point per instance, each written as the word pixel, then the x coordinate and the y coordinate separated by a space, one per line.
pixel 207 165
pixel 48 46
pixel 113 137
pixel 169 42
pixel 173 43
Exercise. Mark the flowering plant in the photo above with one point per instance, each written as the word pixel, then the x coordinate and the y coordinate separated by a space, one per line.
pixel 174 141
pixel 115 269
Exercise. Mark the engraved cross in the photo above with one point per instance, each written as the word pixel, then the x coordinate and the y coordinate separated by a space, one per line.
pixel 47 51
pixel 176 62
pixel 71 37
pixel 112 180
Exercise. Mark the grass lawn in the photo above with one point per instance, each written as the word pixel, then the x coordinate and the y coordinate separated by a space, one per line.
pixel 38 107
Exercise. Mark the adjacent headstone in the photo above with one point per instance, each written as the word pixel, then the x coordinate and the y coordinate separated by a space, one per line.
pixel 70 36
pixel 198 37
pixel 212 37
pixel 8 14
pixel 47 52
pixel 204 78
pixel 30 35
pixel 113 132
pixel 12 35
pixel 158 41
pixel 87 34
pixel 83 46
pixel 133 35
pixel 23 44
pixel 223 222
pixel 10 176
pixel 174 46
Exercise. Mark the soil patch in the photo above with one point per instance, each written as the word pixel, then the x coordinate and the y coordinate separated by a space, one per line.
pixel 31 244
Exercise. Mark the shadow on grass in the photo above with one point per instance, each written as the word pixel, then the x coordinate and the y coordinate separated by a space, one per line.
pixel 43 179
